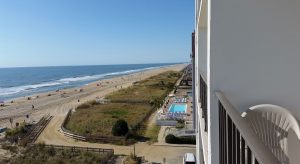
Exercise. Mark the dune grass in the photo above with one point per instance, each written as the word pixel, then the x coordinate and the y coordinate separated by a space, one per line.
pixel 99 119
pixel 152 133
pixel 40 154
pixel 131 104
pixel 148 89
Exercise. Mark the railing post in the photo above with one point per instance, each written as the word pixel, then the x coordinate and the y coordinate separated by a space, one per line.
pixel 238 140
pixel 243 148
pixel 249 155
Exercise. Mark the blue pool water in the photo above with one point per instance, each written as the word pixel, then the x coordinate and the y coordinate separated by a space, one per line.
pixel 178 108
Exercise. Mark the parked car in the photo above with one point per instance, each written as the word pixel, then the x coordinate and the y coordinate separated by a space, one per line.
pixel 189 158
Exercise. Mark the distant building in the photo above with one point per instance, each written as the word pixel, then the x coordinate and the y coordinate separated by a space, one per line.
pixel 187 76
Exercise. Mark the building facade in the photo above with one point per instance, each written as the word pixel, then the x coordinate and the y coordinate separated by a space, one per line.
pixel 246 81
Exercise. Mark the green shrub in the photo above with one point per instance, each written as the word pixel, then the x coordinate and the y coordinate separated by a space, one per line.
pixel 170 138
pixel 51 151
pixel 21 129
pixel 84 106
pixel 179 126
pixel 120 128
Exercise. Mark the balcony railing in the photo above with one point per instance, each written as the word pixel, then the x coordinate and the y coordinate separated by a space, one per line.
pixel 238 142
pixel 272 124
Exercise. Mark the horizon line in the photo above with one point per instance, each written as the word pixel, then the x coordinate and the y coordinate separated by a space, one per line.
pixel 89 65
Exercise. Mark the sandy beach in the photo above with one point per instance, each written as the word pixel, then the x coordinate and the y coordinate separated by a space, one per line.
pixel 52 134
pixel 58 106
pixel 47 103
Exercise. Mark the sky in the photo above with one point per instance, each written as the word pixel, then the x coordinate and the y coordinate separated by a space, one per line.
pixel 94 32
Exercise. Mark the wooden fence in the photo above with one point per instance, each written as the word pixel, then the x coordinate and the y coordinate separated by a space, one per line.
pixel 109 152
pixel 34 132
pixel 106 154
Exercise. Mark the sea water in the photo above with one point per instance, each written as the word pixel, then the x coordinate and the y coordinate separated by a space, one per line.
pixel 18 82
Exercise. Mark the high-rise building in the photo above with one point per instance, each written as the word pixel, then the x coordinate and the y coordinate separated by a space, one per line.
pixel 247 81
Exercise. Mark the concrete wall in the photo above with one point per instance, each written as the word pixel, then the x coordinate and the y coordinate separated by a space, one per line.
pixel 202 52
pixel 255 56
pixel 201 32
pixel 166 122
pixel 200 69
pixel 255 52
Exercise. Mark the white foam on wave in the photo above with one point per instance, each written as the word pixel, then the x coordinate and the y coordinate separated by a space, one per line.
pixel 18 89
pixel 74 79
pixel 26 88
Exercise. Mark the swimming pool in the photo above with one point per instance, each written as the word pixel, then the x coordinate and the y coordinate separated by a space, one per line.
pixel 178 108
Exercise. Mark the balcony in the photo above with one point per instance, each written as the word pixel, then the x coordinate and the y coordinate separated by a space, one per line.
pixel 256 136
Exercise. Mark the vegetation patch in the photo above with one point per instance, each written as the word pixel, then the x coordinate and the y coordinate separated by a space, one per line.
pixel 180 124
pixel 117 113
pixel 170 138
pixel 14 134
pixel 133 104
pixel 120 128
pixel 99 119
pixel 16 131
pixel 132 160
pixel 48 155
pixel 11 148
pixel 152 133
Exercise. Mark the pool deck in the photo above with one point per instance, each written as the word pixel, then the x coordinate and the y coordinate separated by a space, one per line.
pixel 181 93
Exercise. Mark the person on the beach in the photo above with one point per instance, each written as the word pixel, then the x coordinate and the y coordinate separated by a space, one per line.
pixel 32 107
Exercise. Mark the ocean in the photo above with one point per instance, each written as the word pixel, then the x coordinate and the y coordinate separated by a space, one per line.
pixel 24 81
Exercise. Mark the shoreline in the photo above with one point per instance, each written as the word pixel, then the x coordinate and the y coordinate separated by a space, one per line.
pixel 47 101
pixel 61 87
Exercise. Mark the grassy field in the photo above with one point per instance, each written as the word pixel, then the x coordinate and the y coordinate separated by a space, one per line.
pixel 131 104
pixel 147 90
pixel 99 119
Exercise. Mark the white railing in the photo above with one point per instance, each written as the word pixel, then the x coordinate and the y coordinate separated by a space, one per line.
pixel 236 135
